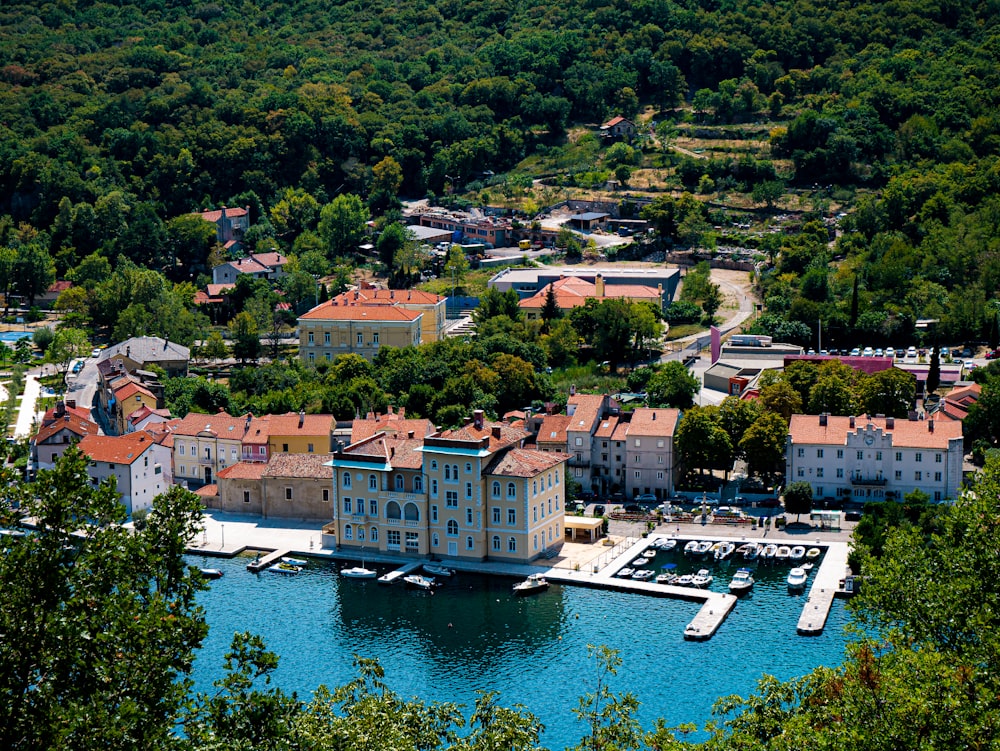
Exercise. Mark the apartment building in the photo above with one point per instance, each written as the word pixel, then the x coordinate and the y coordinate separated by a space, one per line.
pixel 332 329
pixel 134 460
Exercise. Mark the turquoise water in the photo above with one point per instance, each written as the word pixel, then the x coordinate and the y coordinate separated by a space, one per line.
pixel 473 634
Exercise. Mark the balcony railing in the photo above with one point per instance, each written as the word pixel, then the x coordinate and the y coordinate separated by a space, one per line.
pixel 402 523
pixel 401 497
pixel 876 481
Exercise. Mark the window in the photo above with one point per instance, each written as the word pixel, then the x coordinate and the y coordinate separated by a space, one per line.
pixel 347 480
pixel 557 479
pixel 434 466
pixel 418 484
pixel 435 540
pixel 937 495
pixel 637 443
pixel 496 489
pixel 452 528
pixel 326 494
pixel 312 338
pixel 348 532
pixel 920 457
pixel 819 490
pixel 284 448
pixel 899 456
pixel 861 455
pixel 819 472
pixel 182 449
pixel 451 499
pixel 309 448
pixel 372 482
pixel 288 494
pixel 373 507
pixel 361 339
pixel 246 496
pixel 361 533
pixel 659 458
pixel 840 471
pixel 375 337
pixel 577 441
pixel 496 514
pixel 260 451
pixel 878 456
pixel 511 490
pixel 534 513
pixel 434 487
pixel 937 458
pixel 819 453
pixel 434 514
pixel 659 443
pixel 801 452
pixel 534 488
pixel 917 476
pixel 511 545
pixel 468 490
pixel 937 476
pixel 534 542
pixel 802 472
pixel 468 467
pixel 496 542
pixel 347 505
pixel 468 543
pixel 637 474
pixel 468 516
pixel 398 481
pixel 392 538
pixel 374 534
pixel 447 471
pixel 899 474
pixel 312 357
pixel 511 516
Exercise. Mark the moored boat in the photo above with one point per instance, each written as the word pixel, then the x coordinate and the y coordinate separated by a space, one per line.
pixel 667 544
pixel 813 553
pixel 640 561
pixel 770 550
pixel 358 572
pixel 797 578
pixel 691 548
pixel 684 580
pixel 724 551
pixel 797 553
pixel 293 561
pixel 419 582
pixel 436 569
pixel 211 573
pixel 752 551
pixel 702 579
pixel 649 553
pixel 626 572
pixel 283 568
pixel 703 547
pixel 666 579
pixel 643 574
pixel 782 554
pixel 742 582
pixel 533 584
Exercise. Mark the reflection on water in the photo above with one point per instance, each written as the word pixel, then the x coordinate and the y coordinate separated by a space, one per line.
pixel 472 633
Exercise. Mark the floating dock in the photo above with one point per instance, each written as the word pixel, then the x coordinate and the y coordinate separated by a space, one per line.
pixel 825 584
pixel 393 576
pixel 262 562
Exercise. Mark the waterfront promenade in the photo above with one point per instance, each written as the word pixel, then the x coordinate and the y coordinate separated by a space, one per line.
pixel 580 564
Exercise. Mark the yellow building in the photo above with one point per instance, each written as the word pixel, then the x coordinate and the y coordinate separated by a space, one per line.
pixel 433 307
pixel 129 396
pixel 473 493
pixel 332 329
pixel 299 433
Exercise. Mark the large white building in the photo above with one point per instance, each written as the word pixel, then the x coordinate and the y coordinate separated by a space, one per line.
pixel 136 462
pixel 874 458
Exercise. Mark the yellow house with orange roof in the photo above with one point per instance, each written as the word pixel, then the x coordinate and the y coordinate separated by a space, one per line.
pixel 337 328
pixel 129 396
pixel 299 433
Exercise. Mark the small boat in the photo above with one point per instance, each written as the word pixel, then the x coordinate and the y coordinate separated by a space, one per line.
pixel 643 574
pixel 293 561
pixel 806 566
pixel 716 546
pixel 702 579
pixel 419 582
pixel 752 551
pixel 703 547
pixel 666 579
pixel 797 553
pixel 742 582
pixel 358 572
pixel 640 561
pixel 283 568
pixel 533 584
pixel 797 578
pixel 691 548
pixel 742 549
pixel 770 550
pixel 387 578
pixel 724 551
pixel 813 553
pixel 649 553
pixel 684 580
pixel 211 573
pixel 626 572
pixel 782 554
pixel 436 569
pixel 667 544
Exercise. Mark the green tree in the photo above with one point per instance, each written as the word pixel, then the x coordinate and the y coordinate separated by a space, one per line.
pixel 493 303
pixel 934 373
pixel 457 266
pixel 245 333
pixel 798 499
pixel 550 310
pixel 782 399
pixel 701 441
pixel 109 613
pixel 888 392
pixel 215 348
pixel 342 225
pixel 672 385
pixel 67 345
pixel 33 272
pixel 763 444
pixel 609 717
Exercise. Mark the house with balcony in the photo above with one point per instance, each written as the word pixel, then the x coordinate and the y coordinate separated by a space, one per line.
pixel 134 460
pixel 230 224
pixel 869 458
pixel 203 445
pixel 61 427
pixel 650 464
pixel 270 266
pixel 472 493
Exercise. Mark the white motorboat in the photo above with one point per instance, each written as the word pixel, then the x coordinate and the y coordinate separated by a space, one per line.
pixel 797 578
pixel 724 551
pixel 388 578
pixel 626 572
pixel 716 546
pixel 419 582
pixel 782 554
pixel 359 572
pixel 684 580
pixel 813 553
pixel 640 561
pixel 667 544
pixel 703 547
pixel 211 573
pixel 666 579
pixel 752 551
pixel 533 584
pixel 797 553
pixel 283 568
pixel 293 561
pixel 649 553
pixel 643 574
pixel 436 569
pixel 702 579
pixel 742 582
pixel 770 550
pixel 691 548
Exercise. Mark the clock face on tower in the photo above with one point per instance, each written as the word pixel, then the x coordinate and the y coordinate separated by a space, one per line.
pixel 869 440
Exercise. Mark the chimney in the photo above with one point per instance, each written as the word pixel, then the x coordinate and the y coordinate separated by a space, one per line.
pixel 128 350
pixel 401 412
pixel 822 420
pixel 654 415
pixel 599 286
pixel 477 419
pixel 890 423
pixel 389 410
pixel 71 403
pixel 496 432
pixel 302 417
pixel 392 451
pixel 572 390
pixel 60 409
pixel 930 426
pixel 409 434
pixel 852 421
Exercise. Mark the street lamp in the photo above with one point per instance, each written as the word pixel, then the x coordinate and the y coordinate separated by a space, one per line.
pixel 223 526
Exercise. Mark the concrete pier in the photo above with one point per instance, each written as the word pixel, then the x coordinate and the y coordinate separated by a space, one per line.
pixel 262 562
pixel 825 582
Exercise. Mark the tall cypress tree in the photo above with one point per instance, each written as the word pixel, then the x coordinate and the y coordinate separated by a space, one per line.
pixel 934 374
pixel 550 310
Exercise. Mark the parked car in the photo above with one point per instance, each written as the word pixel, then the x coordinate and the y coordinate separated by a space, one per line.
pixel 599 510
pixel 633 508
pixel 96 352
pixel 855 352
pixel 890 352
pixel 911 352
pixel 868 352
pixel 647 498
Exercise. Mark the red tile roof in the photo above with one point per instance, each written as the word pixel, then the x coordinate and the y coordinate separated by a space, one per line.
pixel 508 434
pixel 584 410
pixel 207 491
pixel 299 466
pixel 607 427
pixel 387 297
pixel 390 424
pixel 130 389
pixel 572 292
pixel 242 471
pixel 806 429
pixel 553 429
pixel 76 425
pixel 658 422
pixel 216 215
pixel 119 449
pixel 524 463
pixel 330 311
pixel 222 424
pixel 271 260
pixel 311 425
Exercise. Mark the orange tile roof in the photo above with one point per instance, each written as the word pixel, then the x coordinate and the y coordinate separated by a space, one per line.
pixel 586 408
pixel 222 424
pixel 508 434
pixel 259 431
pixel 299 465
pixel 965 394
pixel 216 215
pixel 130 389
pixel 387 297
pixel 524 462
pixel 73 423
pixel 242 471
pixel 606 429
pixel 805 429
pixel 572 292
pixel 553 429
pixel 329 311
pixel 218 290
pixel 312 425
pixel 270 259
pixel 621 432
pixel 50 413
pixel 118 449
pixel 390 424
pixel 654 421
pixel 401 453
